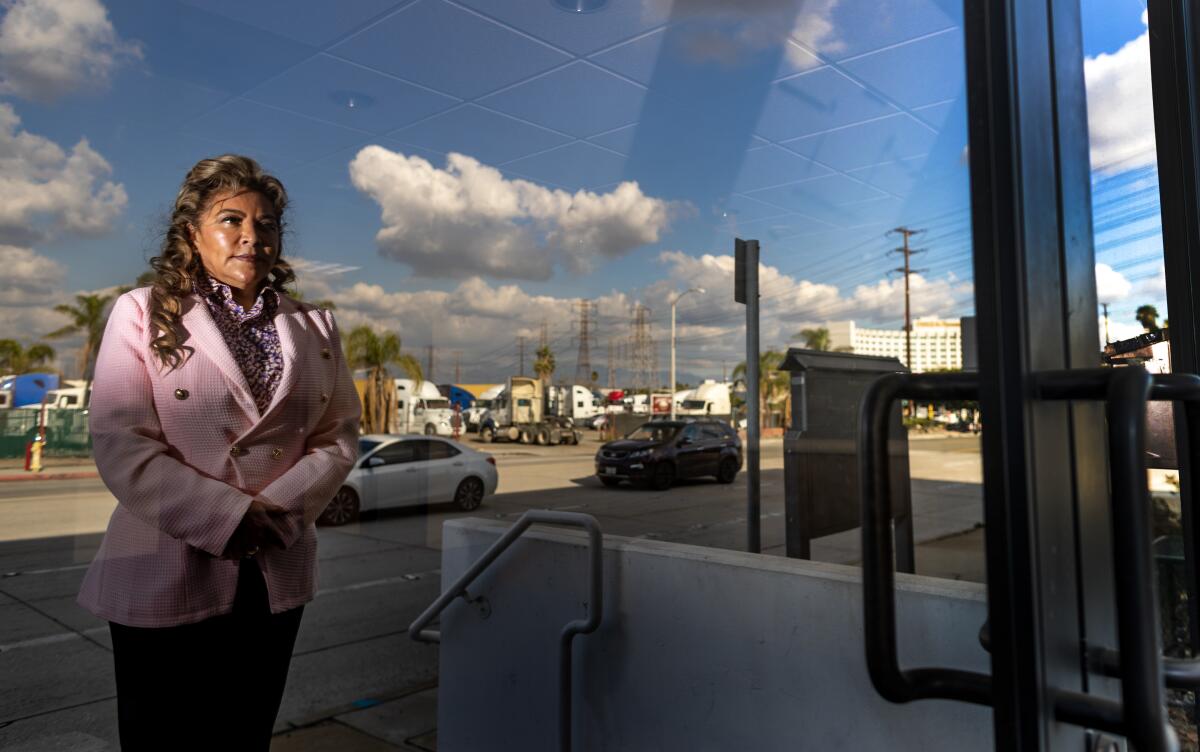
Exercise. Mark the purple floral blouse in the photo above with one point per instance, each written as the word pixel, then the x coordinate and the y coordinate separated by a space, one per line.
pixel 251 336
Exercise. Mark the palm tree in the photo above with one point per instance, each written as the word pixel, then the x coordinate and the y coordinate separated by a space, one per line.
pixel 374 352
pixel 772 382
pixel 815 339
pixel 1147 316
pixel 544 365
pixel 88 317
pixel 17 359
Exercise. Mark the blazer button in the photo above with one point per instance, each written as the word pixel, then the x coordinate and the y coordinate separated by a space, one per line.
pixel 235 450
pixel 326 354
pixel 181 394
pixel 324 397
pixel 276 452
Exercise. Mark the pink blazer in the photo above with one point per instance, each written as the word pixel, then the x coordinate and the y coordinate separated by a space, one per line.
pixel 186 450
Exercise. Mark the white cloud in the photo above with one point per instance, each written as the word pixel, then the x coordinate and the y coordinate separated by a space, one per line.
pixel 1111 285
pixel 45 190
pixel 723 32
pixel 1121 106
pixel 49 48
pixel 29 278
pixel 468 219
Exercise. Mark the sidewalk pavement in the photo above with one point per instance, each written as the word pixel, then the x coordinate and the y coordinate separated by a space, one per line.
pixel 53 468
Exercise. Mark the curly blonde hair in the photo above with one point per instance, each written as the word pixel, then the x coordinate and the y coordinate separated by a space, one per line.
pixel 178 265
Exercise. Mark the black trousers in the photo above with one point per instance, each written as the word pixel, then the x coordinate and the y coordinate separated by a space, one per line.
pixel 212 685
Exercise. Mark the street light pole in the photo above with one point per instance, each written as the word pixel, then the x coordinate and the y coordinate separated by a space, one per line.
pixel 673 304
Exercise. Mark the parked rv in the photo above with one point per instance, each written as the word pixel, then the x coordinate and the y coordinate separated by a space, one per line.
pixel 519 414
pixel 421 408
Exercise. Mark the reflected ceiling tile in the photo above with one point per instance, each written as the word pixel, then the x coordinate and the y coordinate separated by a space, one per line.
pixel 350 95
pixel 916 73
pixel 890 138
pixel 851 27
pixel 620 139
pixel 910 176
pixel 773 166
pixel 317 23
pixel 256 127
pixel 576 165
pixel 488 136
pixel 452 50
pixel 936 115
pixel 811 196
pixel 580 33
pixel 188 44
pixel 636 59
pixel 579 99
pixel 817 101
pixel 743 209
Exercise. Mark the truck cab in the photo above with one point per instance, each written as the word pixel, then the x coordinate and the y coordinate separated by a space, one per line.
pixel 421 408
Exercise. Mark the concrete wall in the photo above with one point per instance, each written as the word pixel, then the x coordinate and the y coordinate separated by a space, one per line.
pixel 700 649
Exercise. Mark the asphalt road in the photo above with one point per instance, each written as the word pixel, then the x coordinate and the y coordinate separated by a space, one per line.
pixel 56 686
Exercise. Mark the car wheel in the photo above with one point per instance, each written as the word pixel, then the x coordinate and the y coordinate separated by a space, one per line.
pixel 430 430
pixel 525 437
pixel 487 434
pixel 342 508
pixel 469 494
pixel 727 470
pixel 542 437
pixel 610 482
pixel 664 476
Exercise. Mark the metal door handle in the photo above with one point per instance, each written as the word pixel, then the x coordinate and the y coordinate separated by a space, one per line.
pixel 878 546
pixel 1141 714
pixel 458 464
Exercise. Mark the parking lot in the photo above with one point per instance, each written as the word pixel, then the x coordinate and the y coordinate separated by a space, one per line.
pixel 356 674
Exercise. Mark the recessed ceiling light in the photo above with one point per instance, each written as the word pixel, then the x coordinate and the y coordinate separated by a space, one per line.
pixel 352 100
pixel 579 6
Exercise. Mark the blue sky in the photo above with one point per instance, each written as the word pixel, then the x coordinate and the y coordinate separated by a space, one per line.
pixel 462 171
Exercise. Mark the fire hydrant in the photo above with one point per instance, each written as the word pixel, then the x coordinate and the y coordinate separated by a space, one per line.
pixel 33 453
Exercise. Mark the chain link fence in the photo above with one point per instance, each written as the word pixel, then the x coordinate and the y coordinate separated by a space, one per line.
pixel 66 432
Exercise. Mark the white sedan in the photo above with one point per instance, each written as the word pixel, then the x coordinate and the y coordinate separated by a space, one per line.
pixel 400 471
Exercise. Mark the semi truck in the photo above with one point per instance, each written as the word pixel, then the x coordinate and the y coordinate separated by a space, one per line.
pixel 26 389
pixel 519 414
pixel 708 399
pixel 576 402
pixel 421 408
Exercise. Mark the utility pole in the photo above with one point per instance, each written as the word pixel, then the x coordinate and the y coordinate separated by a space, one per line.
pixel 745 291
pixel 1107 341
pixel 907 270
pixel 612 379
pixel 457 367
pixel 429 370
pixel 544 338
pixel 521 349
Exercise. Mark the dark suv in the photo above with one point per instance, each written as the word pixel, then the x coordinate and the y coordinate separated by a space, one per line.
pixel 662 450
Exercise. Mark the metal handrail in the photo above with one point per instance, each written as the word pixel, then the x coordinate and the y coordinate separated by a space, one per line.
pixel 418 629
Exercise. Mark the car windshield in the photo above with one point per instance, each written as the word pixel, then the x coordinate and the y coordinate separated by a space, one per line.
pixel 437 404
pixel 693 404
pixel 365 446
pixel 651 432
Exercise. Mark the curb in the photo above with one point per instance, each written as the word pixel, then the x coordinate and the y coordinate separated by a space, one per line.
pixel 27 476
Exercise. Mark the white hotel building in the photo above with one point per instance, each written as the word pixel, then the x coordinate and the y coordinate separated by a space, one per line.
pixel 936 343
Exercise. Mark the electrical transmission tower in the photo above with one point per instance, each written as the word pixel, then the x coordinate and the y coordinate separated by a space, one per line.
pixel 544 338
pixel 583 362
pixel 907 270
pixel 521 350
pixel 429 370
pixel 645 356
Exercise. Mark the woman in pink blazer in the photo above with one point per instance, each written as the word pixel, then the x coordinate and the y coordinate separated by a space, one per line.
pixel 223 419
